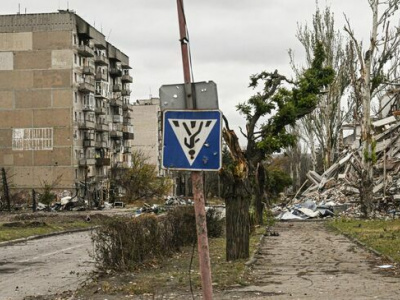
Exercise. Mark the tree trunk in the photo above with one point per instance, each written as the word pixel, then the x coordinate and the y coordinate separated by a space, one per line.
pixel 367 180
pixel 259 188
pixel 237 221
pixel 366 193
pixel 313 153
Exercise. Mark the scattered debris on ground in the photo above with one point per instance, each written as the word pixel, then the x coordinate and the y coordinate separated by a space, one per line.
pixel 336 191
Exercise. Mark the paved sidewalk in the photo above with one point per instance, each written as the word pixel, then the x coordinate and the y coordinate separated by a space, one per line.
pixel 306 261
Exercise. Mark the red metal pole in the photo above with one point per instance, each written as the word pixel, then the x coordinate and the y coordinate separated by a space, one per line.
pixel 184 40
pixel 202 238
pixel 197 178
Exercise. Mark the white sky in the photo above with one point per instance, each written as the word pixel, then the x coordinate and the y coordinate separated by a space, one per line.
pixel 230 39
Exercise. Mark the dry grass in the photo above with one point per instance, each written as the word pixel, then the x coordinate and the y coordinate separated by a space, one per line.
pixel 381 235
pixel 160 277
pixel 25 225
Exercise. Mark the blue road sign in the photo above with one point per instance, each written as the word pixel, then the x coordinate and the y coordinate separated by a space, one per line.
pixel 192 140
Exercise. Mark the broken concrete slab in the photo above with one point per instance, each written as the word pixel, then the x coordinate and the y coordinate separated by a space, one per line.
pixel 308 212
pixel 384 121
pixel 288 216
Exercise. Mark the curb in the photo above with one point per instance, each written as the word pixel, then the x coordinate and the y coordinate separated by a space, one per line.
pixel 363 245
pixel 253 258
pixel 42 236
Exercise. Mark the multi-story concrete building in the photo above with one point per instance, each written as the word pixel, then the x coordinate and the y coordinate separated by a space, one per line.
pixel 147 123
pixel 65 116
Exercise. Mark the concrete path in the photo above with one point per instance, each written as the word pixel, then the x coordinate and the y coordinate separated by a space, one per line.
pixel 45 266
pixel 306 261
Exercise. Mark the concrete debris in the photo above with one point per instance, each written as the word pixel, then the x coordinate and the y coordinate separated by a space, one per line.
pixel 335 192
pixel 386 267
pixel 171 200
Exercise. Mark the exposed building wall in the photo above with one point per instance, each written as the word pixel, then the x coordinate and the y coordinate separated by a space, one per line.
pixel 30 97
pixel 146 126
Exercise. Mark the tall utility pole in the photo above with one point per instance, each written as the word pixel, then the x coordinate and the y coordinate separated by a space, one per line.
pixel 197 178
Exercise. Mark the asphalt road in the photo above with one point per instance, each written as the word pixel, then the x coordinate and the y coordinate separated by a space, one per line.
pixel 45 266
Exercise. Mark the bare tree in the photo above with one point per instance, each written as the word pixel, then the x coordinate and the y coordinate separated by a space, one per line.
pixel 139 181
pixel 372 73
pixel 324 124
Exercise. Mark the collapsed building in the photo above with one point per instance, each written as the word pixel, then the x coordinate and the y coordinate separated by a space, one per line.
pixel 336 189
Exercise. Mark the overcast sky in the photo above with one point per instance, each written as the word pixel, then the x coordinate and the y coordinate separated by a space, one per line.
pixel 230 39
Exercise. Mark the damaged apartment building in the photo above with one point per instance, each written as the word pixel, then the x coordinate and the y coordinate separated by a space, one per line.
pixel 65 115
pixel 338 187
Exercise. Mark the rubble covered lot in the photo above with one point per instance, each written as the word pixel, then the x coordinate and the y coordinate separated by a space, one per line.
pixel 337 189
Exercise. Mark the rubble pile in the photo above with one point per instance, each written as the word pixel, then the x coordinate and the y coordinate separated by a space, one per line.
pixel 337 189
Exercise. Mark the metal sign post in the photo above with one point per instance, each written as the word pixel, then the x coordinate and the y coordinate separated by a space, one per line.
pixel 197 178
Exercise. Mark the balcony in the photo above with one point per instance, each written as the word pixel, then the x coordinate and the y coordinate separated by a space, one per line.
pixel 127 149
pixel 101 60
pixel 127 78
pixel 115 72
pixel 101 127
pixel 88 143
pixel 127 107
pixel 87 162
pixel 100 110
pixel 102 161
pixel 85 51
pixel 88 108
pixel 127 115
pixel 100 76
pixel 88 70
pixel 89 136
pixel 128 136
pixel 86 87
pixel 99 93
pixel 127 128
pixel 115 134
pixel 86 125
pixel 101 144
pixel 125 92
pixel 117 150
pixel 117 88
pixel 116 102
pixel 118 119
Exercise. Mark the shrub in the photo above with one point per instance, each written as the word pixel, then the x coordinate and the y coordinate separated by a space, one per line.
pixel 125 243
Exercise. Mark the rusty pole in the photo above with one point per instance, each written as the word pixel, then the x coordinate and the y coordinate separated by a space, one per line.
pixel 197 178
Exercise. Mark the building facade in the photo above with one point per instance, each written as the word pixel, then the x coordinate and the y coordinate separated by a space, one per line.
pixel 147 123
pixel 65 115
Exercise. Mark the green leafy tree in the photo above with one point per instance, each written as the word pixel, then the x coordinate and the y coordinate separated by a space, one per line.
pixel 276 182
pixel 282 102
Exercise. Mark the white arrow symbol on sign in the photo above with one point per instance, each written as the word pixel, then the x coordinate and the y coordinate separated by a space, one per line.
pixel 192 134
